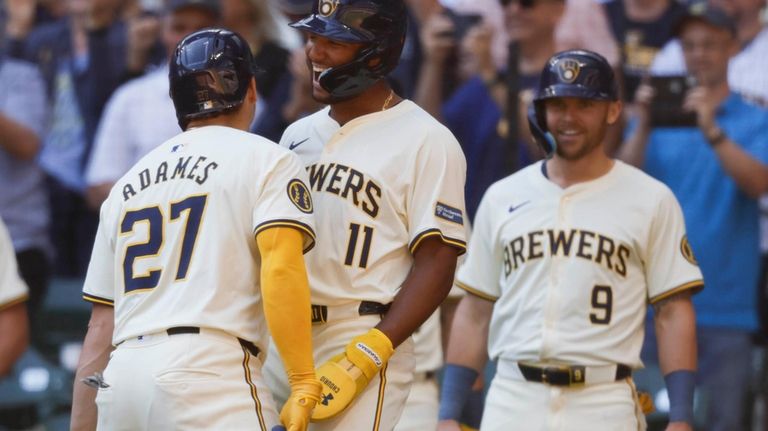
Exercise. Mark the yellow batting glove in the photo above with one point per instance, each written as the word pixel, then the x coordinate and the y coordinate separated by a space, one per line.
pixel 347 374
pixel 305 393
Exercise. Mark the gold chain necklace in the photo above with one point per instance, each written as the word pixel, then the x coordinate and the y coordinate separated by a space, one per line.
pixel 389 99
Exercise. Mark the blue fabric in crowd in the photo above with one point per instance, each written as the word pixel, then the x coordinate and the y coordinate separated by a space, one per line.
pixel 722 221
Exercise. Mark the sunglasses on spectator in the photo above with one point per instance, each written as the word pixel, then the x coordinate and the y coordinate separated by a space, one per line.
pixel 525 4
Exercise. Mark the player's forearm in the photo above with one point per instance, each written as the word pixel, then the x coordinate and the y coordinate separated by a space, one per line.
pixel 285 292
pixel 93 358
pixel 675 322
pixel 422 292
pixel 467 344
pixel 15 329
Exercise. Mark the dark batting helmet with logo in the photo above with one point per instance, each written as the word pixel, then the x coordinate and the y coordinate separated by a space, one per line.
pixel 575 73
pixel 209 74
pixel 378 24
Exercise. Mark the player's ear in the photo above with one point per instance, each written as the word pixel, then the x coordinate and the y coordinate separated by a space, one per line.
pixel 614 111
pixel 251 94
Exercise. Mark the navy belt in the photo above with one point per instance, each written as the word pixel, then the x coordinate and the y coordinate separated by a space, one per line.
pixel 195 330
pixel 565 375
pixel 366 308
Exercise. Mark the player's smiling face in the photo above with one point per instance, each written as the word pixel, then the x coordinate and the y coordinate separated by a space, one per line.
pixel 579 125
pixel 324 53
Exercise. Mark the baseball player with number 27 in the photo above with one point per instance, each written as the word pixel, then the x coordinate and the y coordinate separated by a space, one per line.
pixel 564 258
pixel 388 185
pixel 198 257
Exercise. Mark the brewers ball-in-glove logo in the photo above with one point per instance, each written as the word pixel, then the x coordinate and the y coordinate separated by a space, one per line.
pixel 299 194
pixel 568 69
pixel 687 251
pixel 327 7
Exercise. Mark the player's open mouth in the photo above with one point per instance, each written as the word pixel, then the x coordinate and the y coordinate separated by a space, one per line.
pixel 316 71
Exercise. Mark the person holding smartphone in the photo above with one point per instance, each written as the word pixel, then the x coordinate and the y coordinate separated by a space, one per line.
pixel 717 170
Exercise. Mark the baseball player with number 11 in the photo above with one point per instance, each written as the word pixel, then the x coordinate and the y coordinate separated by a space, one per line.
pixel 388 184
pixel 564 258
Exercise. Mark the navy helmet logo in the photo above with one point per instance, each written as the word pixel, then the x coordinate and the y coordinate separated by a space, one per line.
pixel 327 7
pixel 299 195
pixel 568 69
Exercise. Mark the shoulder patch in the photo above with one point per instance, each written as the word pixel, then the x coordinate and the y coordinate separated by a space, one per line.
pixel 449 213
pixel 687 251
pixel 300 196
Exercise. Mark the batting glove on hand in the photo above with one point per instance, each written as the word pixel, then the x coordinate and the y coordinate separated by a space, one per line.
pixel 347 374
pixel 305 393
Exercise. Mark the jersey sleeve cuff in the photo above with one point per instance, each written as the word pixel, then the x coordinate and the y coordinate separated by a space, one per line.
pixel 14 301
pixel 461 245
pixel 475 292
pixel 694 286
pixel 98 300
pixel 310 234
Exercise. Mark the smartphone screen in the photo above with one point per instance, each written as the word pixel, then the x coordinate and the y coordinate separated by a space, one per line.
pixel 667 105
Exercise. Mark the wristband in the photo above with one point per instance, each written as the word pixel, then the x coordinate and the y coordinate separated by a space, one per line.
pixel 457 384
pixel 716 138
pixel 472 413
pixel 680 386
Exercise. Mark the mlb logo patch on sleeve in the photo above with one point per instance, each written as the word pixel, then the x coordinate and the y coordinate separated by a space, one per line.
pixel 449 213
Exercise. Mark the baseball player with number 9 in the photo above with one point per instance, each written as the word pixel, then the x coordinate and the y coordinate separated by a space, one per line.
pixel 198 257
pixel 388 184
pixel 564 258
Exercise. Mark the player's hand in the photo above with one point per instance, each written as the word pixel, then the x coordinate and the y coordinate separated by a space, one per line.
pixel 679 426
pixel 305 394
pixel 346 375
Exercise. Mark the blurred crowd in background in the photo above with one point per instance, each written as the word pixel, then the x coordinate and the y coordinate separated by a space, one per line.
pixel 84 95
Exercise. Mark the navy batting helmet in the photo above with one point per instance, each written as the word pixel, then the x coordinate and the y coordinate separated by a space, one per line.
pixel 209 74
pixel 575 73
pixel 379 24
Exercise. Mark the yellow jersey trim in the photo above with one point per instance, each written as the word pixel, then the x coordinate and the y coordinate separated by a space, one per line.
pixel 98 300
pixel 695 285
pixel 475 291
pixel 288 223
pixel 15 301
pixel 453 242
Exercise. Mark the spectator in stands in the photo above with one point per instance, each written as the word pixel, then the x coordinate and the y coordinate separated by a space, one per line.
pixel 584 26
pixel 23 200
pixel 746 69
pixel 82 58
pixel 717 169
pixel 14 330
pixel 140 115
pixel 641 28
pixel 482 96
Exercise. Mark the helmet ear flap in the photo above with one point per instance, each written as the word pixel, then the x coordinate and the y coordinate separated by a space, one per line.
pixel 537 124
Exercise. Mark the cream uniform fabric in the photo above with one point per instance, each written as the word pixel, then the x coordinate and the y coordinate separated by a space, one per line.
pixel 176 247
pixel 398 175
pixel 381 183
pixel 209 192
pixel 572 270
pixel 13 290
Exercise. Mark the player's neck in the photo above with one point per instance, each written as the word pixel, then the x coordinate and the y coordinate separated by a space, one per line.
pixel 377 98
pixel 566 173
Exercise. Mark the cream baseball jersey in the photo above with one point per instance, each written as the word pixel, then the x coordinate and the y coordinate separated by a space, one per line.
pixel 176 244
pixel 572 270
pixel 381 184
pixel 13 290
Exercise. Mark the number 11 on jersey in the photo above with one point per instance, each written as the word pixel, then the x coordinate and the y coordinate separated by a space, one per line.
pixel 354 234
